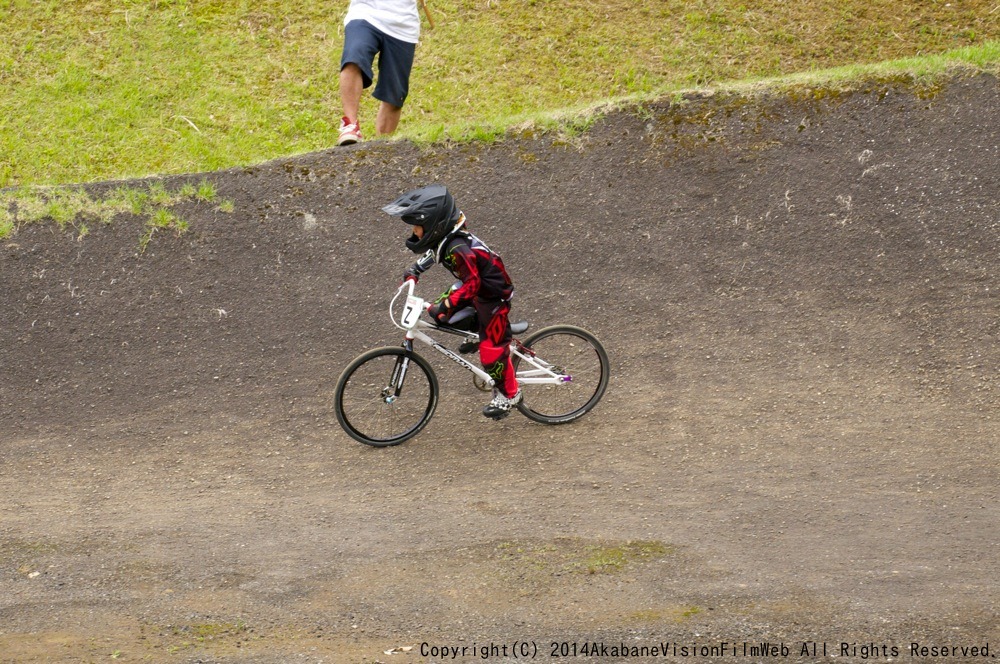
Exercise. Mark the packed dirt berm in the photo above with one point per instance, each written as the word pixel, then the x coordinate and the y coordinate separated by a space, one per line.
pixel 798 294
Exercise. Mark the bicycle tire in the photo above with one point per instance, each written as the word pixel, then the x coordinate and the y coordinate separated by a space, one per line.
pixel 364 399
pixel 587 363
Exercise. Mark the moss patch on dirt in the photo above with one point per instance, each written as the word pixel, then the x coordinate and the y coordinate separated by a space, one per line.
pixel 577 556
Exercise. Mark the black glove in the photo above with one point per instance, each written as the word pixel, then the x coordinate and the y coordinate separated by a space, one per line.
pixel 411 274
pixel 439 311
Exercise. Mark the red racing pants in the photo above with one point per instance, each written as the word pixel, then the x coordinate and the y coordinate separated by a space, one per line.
pixel 494 344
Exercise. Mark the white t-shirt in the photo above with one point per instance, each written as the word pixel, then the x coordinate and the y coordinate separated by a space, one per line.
pixel 396 18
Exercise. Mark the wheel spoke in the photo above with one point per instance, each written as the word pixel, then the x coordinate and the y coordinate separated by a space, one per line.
pixel 571 352
pixel 370 411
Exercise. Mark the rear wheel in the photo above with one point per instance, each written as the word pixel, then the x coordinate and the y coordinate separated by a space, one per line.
pixel 579 358
pixel 386 396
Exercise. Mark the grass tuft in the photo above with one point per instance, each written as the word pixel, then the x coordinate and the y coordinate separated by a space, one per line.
pixel 74 207
pixel 7 227
pixel 606 559
pixel 576 556
pixel 205 191
pixel 161 219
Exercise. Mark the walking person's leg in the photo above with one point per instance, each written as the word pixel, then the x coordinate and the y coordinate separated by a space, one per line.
pixel 388 118
pixel 361 44
pixel 395 62
pixel 351 87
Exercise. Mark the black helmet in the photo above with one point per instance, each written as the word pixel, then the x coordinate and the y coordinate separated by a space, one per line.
pixel 431 207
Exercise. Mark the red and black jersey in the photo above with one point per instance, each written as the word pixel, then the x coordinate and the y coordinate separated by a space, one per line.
pixel 487 287
pixel 480 270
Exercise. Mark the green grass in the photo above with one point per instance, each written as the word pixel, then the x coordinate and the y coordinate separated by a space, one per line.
pixel 75 207
pixel 100 89
pixel 613 558
pixel 577 556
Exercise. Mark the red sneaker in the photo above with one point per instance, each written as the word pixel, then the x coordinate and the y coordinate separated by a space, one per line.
pixel 349 132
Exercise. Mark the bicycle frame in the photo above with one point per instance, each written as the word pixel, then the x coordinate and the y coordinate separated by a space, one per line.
pixel 540 373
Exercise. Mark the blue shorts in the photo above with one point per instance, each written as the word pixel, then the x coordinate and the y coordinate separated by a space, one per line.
pixel 395 60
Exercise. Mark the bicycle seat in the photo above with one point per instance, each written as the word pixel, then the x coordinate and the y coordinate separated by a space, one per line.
pixel 519 327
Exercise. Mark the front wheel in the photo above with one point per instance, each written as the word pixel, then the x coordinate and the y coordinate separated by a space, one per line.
pixel 582 364
pixel 386 396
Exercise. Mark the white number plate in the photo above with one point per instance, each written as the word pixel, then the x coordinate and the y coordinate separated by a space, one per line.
pixel 411 312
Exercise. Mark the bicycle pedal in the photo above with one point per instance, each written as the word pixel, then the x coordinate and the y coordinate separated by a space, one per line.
pixel 498 416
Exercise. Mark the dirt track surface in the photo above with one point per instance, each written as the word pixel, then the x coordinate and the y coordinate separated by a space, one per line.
pixel 799 442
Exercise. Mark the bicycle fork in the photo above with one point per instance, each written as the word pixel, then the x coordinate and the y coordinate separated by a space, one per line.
pixel 395 387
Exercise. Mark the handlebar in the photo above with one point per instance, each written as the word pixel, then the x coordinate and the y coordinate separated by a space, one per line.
pixel 412 309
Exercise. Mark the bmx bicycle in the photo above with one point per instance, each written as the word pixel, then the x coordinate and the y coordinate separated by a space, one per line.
pixel 388 395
